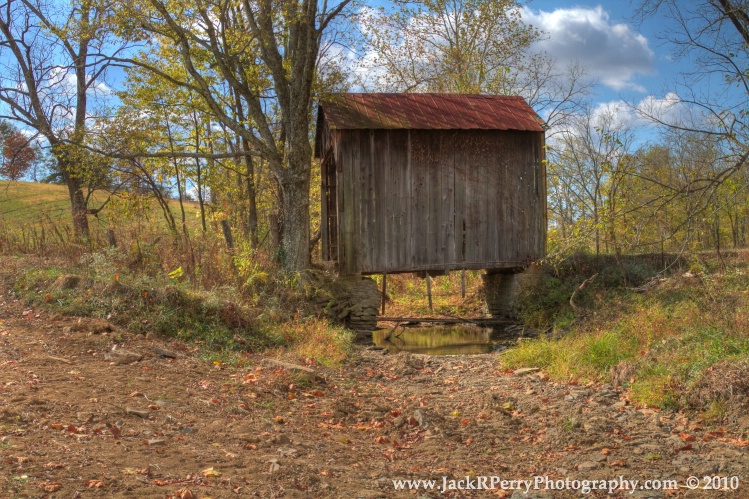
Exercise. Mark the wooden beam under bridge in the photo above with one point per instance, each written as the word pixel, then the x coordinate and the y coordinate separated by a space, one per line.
pixel 480 321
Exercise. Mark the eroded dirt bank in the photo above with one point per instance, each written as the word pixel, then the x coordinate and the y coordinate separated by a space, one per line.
pixel 151 419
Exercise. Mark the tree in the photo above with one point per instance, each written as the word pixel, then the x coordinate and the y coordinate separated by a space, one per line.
pixel 462 46
pixel 265 51
pixel 52 59
pixel 18 156
pixel 467 46
pixel 587 170
pixel 715 33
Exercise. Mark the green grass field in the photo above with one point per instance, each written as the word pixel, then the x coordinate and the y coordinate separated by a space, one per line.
pixel 30 203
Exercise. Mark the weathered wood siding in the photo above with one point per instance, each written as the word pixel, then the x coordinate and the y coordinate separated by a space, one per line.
pixel 411 200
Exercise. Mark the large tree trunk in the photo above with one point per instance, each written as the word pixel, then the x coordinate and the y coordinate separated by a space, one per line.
pixel 295 187
pixel 295 224
pixel 251 196
pixel 78 206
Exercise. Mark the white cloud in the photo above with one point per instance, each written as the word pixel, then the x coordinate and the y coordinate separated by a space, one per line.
pixel 612 53
pixel 618 114
pixel 668 109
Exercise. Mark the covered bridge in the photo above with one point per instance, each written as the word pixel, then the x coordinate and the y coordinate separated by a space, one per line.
pixel 431 182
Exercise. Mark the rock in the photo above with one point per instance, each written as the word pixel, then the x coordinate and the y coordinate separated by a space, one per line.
pixel 525 370
pixel 420 418
pixel 137 412
pixel 572 396
pixel 280 439
pixel 287 452
pixel 85 417
pixel 406 363
pixel 156 441
pixel 274 465
pixel 706 469
pixel 587 465
pixel 305 372
pixel 163 352
pixel 122 356
pixel 92 326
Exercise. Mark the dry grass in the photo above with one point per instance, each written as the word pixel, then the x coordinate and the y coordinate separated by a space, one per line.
pixel 682 344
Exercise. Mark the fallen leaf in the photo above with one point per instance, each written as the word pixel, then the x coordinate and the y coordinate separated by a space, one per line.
pixel 687 437
pixel 50 486
pixel 183 494
pixel 95 484
pixel 619 462
pixel 210 472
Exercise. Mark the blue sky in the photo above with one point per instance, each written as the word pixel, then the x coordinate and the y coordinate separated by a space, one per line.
pixel 628 59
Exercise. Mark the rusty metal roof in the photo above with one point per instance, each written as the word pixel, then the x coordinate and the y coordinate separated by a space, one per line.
pixel 430 112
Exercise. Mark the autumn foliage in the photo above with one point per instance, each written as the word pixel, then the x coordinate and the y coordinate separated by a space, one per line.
pixel 18 156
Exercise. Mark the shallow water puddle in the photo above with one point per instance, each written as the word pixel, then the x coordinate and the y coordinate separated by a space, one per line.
pixel 441 340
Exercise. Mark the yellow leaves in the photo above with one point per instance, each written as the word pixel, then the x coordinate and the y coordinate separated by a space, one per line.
pixel 211 472
pixel 176 273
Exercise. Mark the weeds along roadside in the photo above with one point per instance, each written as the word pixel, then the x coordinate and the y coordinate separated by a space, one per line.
pixel 225 302
pixel 679 341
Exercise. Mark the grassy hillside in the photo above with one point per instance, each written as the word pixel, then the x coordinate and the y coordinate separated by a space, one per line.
pixel 22 202
pixel 30 211
pixel 677 340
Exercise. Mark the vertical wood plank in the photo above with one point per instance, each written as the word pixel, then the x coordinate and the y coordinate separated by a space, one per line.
pixel 350 145
pixel 419 200
pixel 460 183
pixel 325 196
pixel 407 195
pixel 447 217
